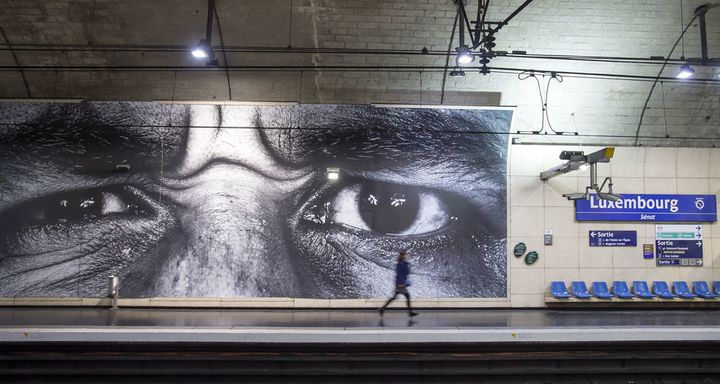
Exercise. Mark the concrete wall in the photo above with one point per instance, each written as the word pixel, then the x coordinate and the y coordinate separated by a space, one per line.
pixel 589 106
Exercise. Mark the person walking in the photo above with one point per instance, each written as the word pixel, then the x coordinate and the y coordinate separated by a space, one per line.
pixel 402 271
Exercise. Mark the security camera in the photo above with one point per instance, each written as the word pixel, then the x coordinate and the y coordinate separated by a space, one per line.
pixel 572 155
pixel 576 196
pixel 609 196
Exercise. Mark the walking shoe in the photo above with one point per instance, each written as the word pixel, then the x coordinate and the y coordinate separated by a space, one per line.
pixel 411 314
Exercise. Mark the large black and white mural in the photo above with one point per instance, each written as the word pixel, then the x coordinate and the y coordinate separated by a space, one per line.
pixel 208 200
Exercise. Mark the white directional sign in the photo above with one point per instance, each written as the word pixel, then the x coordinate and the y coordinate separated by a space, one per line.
pixel 678 231
pixel 679 244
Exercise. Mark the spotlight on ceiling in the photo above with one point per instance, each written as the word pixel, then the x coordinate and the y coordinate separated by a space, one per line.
pixel 201 50
pixel 686 72
pixel 333 173
pixel 464 55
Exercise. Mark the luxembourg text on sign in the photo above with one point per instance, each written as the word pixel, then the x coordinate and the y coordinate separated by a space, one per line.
pixel 641 207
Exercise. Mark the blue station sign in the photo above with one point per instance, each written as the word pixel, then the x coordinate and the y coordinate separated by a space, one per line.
pixel 613 238
pixel 643 207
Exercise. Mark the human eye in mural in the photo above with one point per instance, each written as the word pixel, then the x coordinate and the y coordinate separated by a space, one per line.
pixel 235 201
pixel 69 216
pixel 412 179
pixel 357 223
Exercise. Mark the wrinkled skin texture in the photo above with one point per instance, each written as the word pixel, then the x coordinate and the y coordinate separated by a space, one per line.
pixel 235 201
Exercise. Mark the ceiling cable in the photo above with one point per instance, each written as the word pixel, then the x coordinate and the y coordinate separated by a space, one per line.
pixel 544 111
pixel 226 63
pixel 682 35
pixel 662 90
pixel 447 57
pixel 17 63
pixel 653 60
pixel 290 26
pixel 557 77
pixel 341 68
pixel 657 78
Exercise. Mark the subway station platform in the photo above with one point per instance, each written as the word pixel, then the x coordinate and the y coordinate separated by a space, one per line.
pixel 35 325
pixel 174 345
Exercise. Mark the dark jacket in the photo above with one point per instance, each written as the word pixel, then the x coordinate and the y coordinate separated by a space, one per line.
pixel 402 270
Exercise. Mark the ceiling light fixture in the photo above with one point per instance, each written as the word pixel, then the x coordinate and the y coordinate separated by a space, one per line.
pixel 203 49
pixel 333 173
pixel 481 33
pixel 686 72
pixel 464 55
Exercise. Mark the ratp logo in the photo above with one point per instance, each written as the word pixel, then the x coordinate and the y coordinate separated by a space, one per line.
pixel 699 203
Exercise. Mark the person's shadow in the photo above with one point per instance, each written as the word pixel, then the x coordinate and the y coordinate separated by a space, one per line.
pixel 410 323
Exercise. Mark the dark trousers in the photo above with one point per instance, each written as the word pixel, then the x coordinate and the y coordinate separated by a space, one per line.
pixel 402 290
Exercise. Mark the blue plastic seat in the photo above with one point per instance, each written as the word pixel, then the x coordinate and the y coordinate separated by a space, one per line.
pixel 621 290
pixel 579 290
pixel 661 289
pixel 681 289
pixel 559 290
pixel 716 287
pixel 701 289
pixel 641 290
pixel 600 290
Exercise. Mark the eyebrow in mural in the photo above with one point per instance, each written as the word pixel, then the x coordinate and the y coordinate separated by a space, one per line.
pixel 88 139
pixel 251 212
pixel 358 133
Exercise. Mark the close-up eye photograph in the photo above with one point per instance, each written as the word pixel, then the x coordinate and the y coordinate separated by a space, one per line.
pixel 326 191
pixel 183 212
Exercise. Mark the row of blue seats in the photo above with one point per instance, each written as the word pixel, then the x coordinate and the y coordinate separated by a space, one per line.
pixel 639 289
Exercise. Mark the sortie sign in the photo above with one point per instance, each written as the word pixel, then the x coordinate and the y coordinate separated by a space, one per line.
pixel 613 238
pixel 679 245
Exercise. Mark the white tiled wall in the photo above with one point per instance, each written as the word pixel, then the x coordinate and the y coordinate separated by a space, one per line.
pixel 714 164
pixel 693 162
pixel 660 162
pixel 536 205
